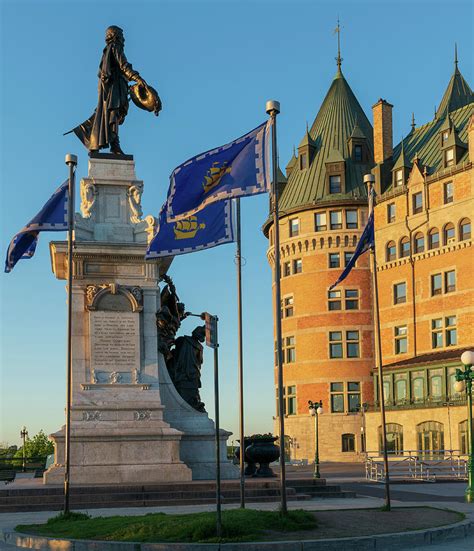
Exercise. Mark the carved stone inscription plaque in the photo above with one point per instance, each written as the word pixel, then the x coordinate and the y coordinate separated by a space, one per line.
pixel 115 341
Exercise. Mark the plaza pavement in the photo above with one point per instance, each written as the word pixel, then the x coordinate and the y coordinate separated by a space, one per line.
pixel 449 495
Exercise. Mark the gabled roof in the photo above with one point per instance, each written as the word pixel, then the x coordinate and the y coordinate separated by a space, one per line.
pixel 402 161
pixel 331 130
pixel 307 140
pixel 457 94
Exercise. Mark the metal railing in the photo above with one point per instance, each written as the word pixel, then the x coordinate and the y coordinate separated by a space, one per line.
pixel 424 465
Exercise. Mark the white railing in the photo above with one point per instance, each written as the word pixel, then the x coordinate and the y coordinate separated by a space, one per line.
pixel 417 465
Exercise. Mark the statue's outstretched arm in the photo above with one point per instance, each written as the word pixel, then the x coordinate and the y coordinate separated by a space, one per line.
pixel 126 68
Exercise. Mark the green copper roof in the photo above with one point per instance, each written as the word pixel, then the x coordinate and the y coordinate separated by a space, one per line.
pixel 402 160
pixel 458 93
pixel 331 130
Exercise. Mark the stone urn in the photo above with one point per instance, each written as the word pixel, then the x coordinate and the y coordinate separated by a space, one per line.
pixel 263 451
pixel 251 467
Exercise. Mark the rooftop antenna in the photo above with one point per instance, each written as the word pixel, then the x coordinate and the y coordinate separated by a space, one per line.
pixel 413 124
pixel 338 58
pixel 455 56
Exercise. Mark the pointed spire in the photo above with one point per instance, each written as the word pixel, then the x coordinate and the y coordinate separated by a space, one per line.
pixel 413 124
pixel 402 161
pixel 458 92
pixel 338 58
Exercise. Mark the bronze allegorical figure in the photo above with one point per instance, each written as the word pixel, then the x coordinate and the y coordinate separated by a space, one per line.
pixel 101 129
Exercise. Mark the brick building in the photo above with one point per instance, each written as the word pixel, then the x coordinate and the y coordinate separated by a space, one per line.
pixel 426 292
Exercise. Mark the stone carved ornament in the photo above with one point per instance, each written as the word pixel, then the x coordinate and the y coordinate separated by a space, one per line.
pixel 142 415
pixel 91 415
pixel 134 194
pixel 133 293
pixel 88 196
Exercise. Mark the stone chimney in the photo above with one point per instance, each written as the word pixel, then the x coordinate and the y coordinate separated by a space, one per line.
pixel 383 144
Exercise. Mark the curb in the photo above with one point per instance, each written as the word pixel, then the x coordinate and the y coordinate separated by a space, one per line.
pixel 382 542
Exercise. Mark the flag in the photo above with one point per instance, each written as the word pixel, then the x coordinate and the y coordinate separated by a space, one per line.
pixel 237 169
pixel 208 228
pixel 52 217
pixel 366 242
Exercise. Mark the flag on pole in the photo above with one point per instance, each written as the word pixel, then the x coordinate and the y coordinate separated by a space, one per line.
pixel 237 169
pixel 52 217
pixel 212 226
pixel 366 242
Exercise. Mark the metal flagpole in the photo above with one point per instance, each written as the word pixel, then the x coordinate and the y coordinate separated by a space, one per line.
pixel 71 161
pixel 238 256
pixel 369 179
pixel 273 108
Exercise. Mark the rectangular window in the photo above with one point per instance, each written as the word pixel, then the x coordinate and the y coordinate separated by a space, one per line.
pixel 399 293
pixel 448 192
pixel 297 266
pixel 347 257
pixel 450 281
pixel 336 219
pixel 401 339
pixel 449 157
pixel 335 344
pixel 357 153
pixel 334 260
pixel 335 184
pixel 291 400
pixel 337 397
pixel 352 299
pixel 391 212
pixel 352 344
pixel 294 227
pixel 436 284
pixel 286 269
pixel 399 177
pixel 437 333
pixel 351 219
pixel 451 331
pixel 353 397
pixel 320 221
pixel 303 161
pixel 288 309
pixel 289 351
pixel 334 300
pixel 417 202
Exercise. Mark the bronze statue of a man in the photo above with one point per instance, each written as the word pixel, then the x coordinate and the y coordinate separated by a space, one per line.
pixel 101 129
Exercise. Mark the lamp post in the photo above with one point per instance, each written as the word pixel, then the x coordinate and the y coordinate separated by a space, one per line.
pixel 363 408
pixel 316 409
pixel 464 382
pixel 24 436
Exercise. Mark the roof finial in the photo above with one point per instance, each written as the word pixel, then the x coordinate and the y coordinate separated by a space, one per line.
pixel 413 125
pixel 338 58
pixel 307 129
pixel 455 55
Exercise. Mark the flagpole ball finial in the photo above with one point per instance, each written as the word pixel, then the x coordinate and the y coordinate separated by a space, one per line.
pixel 70 159
pixel 272 106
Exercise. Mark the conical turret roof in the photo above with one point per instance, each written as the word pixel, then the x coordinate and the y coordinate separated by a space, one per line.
pixel 334 124
pixel 457 94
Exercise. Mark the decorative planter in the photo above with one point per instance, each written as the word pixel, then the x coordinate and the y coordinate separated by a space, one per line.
pixel 263 451
pixel 251 468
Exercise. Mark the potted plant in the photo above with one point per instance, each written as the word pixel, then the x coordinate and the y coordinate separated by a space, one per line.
pixel 262 450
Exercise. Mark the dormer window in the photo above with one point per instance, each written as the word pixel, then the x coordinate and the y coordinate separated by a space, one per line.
pixel 335 184
pixel 449 157
pixel 399 177
pixel 445 136
pixel 357 153
pixel 303 161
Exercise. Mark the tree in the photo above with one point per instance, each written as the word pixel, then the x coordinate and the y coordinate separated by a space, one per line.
pixel 37 447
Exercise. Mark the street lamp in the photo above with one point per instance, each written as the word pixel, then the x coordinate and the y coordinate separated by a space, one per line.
pixel 464 382
pixel 316 409
pixel 24 436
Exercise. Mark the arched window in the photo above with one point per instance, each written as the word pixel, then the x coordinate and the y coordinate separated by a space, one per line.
pixel 348 442
pixel 430 436
pixel 419 243
pixel 404 247
pixel 394 438
pixel 449 234
pixel 463 437
pixel 433 238
pixel 391 251
pixel 464 229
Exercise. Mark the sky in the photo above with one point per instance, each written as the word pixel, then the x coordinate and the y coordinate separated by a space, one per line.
pixel 215 64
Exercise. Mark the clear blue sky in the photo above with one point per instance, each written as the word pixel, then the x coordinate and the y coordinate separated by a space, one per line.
pixel 214 64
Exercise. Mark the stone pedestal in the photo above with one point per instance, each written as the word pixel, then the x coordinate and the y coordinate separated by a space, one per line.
pixel 121 431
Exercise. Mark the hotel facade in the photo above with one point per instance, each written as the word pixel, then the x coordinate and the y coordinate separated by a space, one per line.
pixel 423 214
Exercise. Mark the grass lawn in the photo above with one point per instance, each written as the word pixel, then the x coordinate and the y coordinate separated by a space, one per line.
pixel 237 525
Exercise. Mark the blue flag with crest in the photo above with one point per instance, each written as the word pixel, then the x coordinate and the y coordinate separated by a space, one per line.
pixel 52 217
pixel 208 228
pixel 366 242
pixel 237 169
